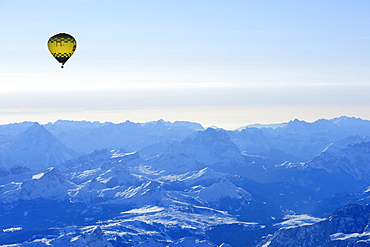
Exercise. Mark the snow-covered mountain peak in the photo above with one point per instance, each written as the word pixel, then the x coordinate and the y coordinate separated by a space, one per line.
pixel 223 190
pixel 103 158
pixel 50 184
pixel 291 221
pixel 335 147
pixel 37 149
pixel 36 127
pixel 205 174
pixel 353 160
pixel 344 120
pixel 34 135
pixel 190 125
pixel 344 227
pixel 211 142
pixel 194 178
pixel 209 148
pixel 210 136
pixel 296 124
pixel 92 237
pixel 185 124
pixel 104 154
pixel 191 241
pixel 304 128
pixel 50 178
pixel 50 173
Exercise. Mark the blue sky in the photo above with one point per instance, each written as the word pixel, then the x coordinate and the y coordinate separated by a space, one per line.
pixel 223 63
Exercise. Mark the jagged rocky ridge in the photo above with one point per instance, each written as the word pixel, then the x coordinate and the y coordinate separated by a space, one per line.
pixel 174 184
pixel 348 226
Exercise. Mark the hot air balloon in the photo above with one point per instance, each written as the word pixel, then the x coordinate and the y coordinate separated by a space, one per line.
pixel 62 46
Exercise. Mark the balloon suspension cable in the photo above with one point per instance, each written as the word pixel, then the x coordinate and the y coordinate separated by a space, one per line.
pixel 62 65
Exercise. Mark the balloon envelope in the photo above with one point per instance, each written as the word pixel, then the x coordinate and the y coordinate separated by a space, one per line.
pixel 62 46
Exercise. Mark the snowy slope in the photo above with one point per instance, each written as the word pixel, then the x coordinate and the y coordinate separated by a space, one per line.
pixel 137 205
pixel 50 184
pixel 344 227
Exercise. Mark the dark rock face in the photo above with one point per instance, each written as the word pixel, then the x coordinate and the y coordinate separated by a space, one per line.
pixel 344 227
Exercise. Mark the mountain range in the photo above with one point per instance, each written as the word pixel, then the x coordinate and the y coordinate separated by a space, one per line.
pixel 78 183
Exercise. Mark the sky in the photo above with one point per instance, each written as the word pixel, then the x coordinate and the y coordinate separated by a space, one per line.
pixel 219 63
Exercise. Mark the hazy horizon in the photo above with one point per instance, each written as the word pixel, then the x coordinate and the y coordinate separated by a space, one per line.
pixel 216 63
pixel 232 121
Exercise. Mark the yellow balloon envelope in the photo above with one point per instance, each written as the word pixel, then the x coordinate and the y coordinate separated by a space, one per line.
pixel 62 46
